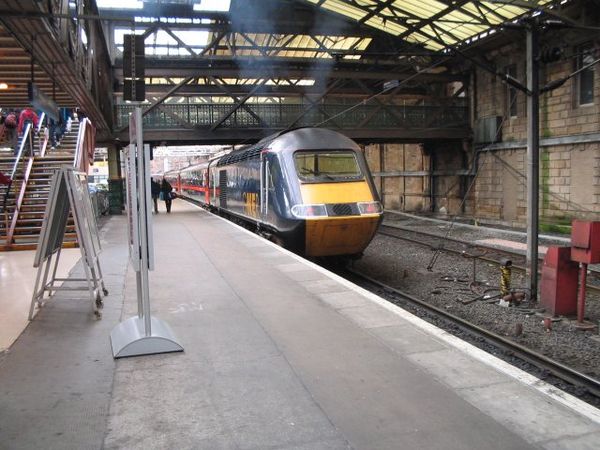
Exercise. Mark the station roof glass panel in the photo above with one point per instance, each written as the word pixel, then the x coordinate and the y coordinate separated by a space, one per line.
pixel 434 24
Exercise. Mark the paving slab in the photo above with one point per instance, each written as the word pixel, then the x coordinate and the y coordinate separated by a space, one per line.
pixel 279 354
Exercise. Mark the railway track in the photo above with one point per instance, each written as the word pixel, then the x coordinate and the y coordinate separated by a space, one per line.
pixel 487 253
pixel 586 388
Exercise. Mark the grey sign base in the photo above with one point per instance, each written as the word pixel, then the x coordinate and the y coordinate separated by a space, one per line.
pixel 129 338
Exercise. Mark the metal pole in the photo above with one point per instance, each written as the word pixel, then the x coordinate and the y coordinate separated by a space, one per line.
pixel 143 217
pixel 583 267
pixel 138 289
pixel 533 157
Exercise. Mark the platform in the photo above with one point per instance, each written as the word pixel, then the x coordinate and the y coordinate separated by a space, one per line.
pixel 279 354
pixel 17 278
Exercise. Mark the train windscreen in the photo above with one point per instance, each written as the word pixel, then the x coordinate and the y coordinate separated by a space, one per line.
pixel 319 166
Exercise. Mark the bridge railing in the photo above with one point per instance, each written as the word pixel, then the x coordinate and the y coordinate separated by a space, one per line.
pixel 206 115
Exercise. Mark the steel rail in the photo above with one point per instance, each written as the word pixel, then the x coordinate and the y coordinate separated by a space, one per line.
pixel 460 252
pixel 456 240
pixel 536 359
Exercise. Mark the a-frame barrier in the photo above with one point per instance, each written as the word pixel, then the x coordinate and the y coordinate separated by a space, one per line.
pixel 68 192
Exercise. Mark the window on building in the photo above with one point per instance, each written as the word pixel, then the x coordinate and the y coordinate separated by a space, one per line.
pixel 585 79
pixel 511 92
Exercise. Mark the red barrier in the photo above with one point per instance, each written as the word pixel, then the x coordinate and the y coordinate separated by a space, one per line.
pixel 558 293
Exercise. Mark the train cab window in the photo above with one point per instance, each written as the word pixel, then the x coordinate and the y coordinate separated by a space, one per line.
pixel 327 165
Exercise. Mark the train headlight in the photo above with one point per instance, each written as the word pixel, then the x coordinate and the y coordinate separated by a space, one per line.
pixel 370 208
pixel 306 211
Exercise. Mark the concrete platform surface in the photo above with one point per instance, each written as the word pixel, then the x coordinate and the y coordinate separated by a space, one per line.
pixel 17 279
pixel 279 354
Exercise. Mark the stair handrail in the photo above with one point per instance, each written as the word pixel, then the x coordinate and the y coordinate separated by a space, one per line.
pixel 16 164
pixel 43 143
pixel 42 138
pixel 40 122
pixel 84 149
pixel 20 198
pixel 24 139
pixel 79 144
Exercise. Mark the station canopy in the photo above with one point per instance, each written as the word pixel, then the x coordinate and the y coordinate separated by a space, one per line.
pixel 431 25
pixel 353 35
pixel 357 35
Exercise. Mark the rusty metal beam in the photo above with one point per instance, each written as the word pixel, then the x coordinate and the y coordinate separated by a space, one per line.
pixel 179 41
pixel 270 90
pixel 51 54
pixel 280 69
pixel 167 95
pixel 238 105
pixel 235 136
pixel 226 89
pixel 314 103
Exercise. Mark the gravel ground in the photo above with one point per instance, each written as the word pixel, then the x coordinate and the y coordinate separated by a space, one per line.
pixel 402 265
pixel 469 232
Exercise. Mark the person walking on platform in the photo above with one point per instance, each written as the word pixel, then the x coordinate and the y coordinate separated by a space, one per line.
pixel 155 190
pixel 165 193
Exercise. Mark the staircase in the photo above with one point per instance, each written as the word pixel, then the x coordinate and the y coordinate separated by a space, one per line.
pixel 31 215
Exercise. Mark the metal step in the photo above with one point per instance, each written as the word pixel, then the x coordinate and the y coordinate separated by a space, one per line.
pixel 35 201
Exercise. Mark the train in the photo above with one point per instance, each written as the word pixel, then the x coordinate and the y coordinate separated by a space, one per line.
pixel 309 190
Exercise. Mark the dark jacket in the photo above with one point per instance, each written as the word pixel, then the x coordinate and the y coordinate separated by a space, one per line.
pixel 166 187
pixel 154 188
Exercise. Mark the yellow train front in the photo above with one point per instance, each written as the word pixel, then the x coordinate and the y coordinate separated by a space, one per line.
pixel 309 189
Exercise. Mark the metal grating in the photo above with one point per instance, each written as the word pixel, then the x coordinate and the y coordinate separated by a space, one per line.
pixel 342 209
pixel 223 188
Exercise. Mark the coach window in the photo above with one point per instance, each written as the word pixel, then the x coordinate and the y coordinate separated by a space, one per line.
pixel 585 79
pixel 511 92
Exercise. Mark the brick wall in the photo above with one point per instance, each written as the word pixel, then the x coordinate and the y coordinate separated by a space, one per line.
pixel 569 184
pixel 569 156
pixel 393 166
pixel 559 113
pixel 569 170
pixel 402 174
pixel 569 181
pixel 449 188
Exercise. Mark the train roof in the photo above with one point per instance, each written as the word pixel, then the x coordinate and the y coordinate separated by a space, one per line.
pixel 308 138
pixel 200 165
pixel 300 138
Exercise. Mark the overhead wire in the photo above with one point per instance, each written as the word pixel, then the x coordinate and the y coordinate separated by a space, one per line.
pixel 424 42
pixel 427 39
pixel 520 177
pixel 477 167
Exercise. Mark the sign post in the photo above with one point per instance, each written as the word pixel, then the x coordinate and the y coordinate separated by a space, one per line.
pixel 142 334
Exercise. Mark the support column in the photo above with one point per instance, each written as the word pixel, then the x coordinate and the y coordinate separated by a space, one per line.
pixel 533 157
pixel 381 170
pixel 115 180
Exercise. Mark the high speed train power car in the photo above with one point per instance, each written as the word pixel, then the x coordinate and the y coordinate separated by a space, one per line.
pixel 308 189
